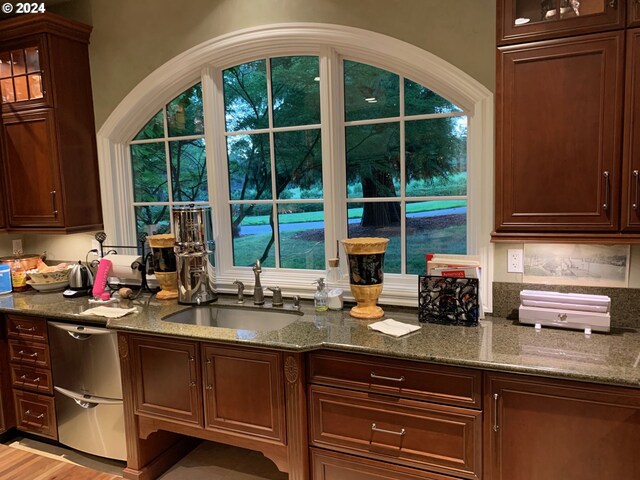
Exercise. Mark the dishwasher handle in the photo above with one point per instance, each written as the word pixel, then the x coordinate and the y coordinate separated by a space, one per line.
pixel 87 401
pixel 80 332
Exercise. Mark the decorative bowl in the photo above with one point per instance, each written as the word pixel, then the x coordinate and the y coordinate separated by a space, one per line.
pixel 48 287
pixel 49 277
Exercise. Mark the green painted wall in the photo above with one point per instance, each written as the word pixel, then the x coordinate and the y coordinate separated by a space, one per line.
pixel 131 38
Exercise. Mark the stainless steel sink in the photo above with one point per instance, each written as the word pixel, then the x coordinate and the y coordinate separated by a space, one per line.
pixel 239 318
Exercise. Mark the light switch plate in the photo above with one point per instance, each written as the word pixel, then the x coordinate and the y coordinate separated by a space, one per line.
pixel 514 260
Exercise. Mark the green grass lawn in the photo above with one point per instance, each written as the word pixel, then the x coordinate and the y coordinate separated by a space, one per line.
pixel 308 254
pixel 352 212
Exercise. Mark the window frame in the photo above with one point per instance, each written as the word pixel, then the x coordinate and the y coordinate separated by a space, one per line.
pixel 331 44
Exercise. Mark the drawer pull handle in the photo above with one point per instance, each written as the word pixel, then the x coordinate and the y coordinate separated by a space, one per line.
pixel 605 205
pixel 24 354
pixel 28 413
pixel 496 427
pixel 24 378
pixel 54 210
pixel 401 433
pixel 25 329
pixel 635 202
pixel 391 379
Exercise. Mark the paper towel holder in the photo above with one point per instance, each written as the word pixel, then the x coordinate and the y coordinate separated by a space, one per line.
pixel 141 266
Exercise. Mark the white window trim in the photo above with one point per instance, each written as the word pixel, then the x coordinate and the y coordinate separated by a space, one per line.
pixel 325 40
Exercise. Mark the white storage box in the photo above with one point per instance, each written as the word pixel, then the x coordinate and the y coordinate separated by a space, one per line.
pixel 565 318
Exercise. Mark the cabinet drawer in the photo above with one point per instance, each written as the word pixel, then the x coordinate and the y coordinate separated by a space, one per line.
pixel 35 414
pixel 29 353
pixel 421 381
pixel 28 328
pixel 30 378
pixel 334 466
pixel 415 434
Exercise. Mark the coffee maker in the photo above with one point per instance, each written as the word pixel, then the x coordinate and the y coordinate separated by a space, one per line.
pixel 194 249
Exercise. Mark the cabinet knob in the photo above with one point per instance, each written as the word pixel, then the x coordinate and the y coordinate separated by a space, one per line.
pixel 192 384
pixel 209 386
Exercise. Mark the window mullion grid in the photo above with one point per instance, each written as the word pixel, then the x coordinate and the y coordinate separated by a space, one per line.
pixel 403 202
pixel 272 160
pixel 338 153
pixel 217 169
pixel 167 153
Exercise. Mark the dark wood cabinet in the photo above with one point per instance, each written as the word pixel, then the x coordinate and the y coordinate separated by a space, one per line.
pixel 244 392
pixel 631 159
pixel 49 149
pixel 526 20
pixel 559 430
pixel 378 418
pixel 633 13
pixel 167 379
pixel 29 374
pixel 558 130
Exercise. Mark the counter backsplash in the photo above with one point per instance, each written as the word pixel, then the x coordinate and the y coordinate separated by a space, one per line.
pixel 625 302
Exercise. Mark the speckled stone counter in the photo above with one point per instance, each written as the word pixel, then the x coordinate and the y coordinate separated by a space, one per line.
pixel 497 344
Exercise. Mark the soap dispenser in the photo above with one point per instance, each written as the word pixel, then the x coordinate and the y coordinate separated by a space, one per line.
pixel 320 297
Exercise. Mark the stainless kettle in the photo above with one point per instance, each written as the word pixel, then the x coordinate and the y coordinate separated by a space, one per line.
pixel 80 277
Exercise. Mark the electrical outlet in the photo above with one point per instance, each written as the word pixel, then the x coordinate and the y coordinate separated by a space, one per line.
pixel 17 247
pixel 514 260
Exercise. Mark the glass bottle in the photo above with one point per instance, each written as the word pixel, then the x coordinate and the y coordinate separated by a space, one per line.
pixel 320 297
pixel 18 276
pixel 334 274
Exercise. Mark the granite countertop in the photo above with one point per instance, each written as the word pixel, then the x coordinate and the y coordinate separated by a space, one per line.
pixel 496 344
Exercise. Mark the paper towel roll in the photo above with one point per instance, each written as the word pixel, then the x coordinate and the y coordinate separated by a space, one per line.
pixel 122 269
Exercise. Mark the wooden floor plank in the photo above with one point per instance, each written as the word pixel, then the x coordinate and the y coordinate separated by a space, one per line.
pixel 16 464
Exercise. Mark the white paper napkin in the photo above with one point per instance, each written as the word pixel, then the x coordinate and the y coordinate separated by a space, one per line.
pixel 109 312
pixel 393 327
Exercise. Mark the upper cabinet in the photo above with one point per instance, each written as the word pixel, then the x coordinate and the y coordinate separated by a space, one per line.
pixel 50 165
pixel 633 13
pixel 567 123
pixel 526 20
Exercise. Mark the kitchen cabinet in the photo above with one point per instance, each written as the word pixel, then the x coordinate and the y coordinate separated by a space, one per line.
pixel 370 412
pixel 30 373
pixel 633 13
pixel 631 158
pixel 49 149
pixel 527 20
pixel 233 375
pixel 167 378
pixel 559 430
pixel 248 397
pixel 558 128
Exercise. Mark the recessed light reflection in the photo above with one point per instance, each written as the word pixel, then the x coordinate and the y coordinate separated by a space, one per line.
pixel 317 79
pixel 371 100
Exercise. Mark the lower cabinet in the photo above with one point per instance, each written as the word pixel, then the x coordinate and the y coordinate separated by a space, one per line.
pixel 560 430
pixel 335 466
pixel 30 377
pixel 244 392
pixel 375 412
pixel 166 376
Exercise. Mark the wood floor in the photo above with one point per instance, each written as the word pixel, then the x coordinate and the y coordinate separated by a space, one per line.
pixel 18 464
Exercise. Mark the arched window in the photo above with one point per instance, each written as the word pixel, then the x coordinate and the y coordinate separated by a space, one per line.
pixel 297 145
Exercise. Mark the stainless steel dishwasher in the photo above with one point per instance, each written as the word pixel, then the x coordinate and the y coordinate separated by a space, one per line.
pixel 88 389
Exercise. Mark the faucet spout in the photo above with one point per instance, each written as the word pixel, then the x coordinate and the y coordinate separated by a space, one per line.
pixel 258 292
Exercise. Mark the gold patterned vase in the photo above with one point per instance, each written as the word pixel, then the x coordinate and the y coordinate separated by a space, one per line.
pixel 366 265
pixel 164 265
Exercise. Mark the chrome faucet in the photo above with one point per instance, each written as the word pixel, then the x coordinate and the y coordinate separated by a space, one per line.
pixel 240 286
pixel 277 297
pixel 258 293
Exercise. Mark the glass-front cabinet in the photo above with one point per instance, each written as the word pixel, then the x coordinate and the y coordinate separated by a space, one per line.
pixel 523 20
pixel 22 76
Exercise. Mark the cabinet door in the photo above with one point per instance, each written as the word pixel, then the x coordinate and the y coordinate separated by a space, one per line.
pixel 558 126
pixel 31 165
pixel 633 13
pixel 525 20
pixel 244 392
pixel 554 430
pixel 22 74
pixel 166 375
pixel 631 158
